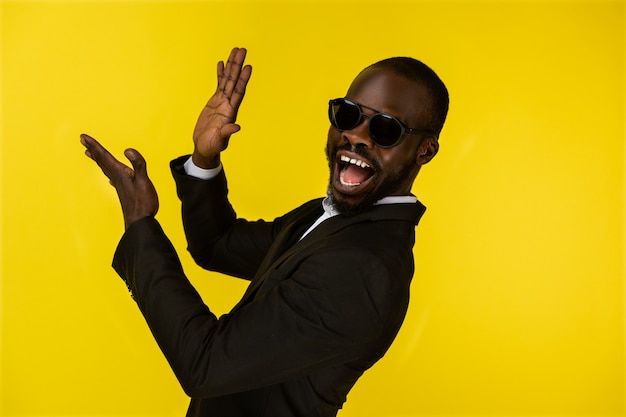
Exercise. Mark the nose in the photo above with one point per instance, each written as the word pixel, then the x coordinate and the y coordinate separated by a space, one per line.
pixel 359 135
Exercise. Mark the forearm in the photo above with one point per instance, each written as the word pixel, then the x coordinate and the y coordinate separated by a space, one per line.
pixel 216 239
pixel 181 323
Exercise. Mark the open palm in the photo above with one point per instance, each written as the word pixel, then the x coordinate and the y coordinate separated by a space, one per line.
pixel 216 122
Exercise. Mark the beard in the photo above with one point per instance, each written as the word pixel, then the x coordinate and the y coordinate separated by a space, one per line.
pixel 389 185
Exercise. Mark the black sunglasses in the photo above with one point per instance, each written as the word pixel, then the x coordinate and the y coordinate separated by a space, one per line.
pixel 384 129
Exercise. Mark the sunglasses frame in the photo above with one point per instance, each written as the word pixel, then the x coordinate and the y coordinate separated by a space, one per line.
pixel 404 129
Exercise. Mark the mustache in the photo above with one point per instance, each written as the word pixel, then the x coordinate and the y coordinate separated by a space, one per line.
pixel 361 151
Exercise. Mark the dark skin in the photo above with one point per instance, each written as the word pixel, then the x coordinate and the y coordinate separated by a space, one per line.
pixel 136 192
pixel 215 125
pixel 395 168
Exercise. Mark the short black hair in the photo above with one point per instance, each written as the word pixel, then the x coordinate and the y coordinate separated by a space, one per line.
pixel 415 70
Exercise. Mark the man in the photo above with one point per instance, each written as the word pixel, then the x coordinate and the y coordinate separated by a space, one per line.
pixel 329 280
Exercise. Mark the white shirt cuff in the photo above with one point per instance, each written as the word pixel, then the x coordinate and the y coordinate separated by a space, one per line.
pixel 193 170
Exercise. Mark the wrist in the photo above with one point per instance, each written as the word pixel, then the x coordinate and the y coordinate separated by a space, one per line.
pixel 205 162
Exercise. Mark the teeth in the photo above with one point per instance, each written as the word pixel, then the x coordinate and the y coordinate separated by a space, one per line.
pixel 354 161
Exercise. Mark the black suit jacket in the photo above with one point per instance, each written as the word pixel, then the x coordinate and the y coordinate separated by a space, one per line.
pixel 318 311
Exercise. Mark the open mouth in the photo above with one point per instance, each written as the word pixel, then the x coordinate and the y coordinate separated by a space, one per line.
pixel 353 171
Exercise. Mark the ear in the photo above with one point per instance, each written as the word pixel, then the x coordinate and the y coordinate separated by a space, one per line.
pixel 428 148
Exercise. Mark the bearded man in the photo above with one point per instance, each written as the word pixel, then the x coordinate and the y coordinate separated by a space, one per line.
pixel 329 281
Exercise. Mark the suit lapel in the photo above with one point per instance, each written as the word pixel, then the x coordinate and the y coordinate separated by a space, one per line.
pixel 288 241
pixel 406 212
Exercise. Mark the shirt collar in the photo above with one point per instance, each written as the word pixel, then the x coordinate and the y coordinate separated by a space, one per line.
pixel 330 210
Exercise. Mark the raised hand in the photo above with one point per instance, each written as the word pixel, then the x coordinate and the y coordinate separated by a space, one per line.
pixel 136 192
pixel 216 122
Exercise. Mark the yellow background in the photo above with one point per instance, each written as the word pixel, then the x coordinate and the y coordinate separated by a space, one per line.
pixel 518 298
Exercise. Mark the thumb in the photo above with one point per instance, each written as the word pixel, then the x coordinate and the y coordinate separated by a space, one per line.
pixel 137 161
pixel 230 129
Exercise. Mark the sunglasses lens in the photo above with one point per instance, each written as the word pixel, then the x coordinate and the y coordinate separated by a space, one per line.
pixel 384 130
pixel 344 115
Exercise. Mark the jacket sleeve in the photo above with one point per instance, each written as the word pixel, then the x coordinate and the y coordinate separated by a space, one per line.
pixel 326 313
pixel 216 239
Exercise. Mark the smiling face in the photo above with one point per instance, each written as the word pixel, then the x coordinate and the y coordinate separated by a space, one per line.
pixel 361 172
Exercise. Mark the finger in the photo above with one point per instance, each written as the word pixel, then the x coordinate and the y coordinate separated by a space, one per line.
pixel 220 76
pixel 222 70
pixel 229 129
pixel 233 70
pixel 93 148
pixel 137 161
pixel 88 142
pixel 107 162
pixel 240 87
